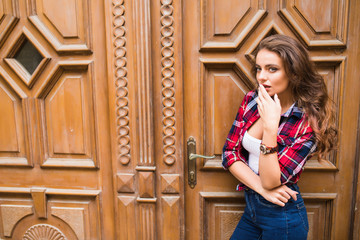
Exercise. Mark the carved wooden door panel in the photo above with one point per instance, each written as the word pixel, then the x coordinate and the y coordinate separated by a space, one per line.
pixel 55 156
pixel 219 38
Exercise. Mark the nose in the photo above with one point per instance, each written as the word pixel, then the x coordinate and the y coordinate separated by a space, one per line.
pixel 261 76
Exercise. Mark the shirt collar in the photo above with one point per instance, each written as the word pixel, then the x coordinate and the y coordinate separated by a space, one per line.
pixel 293 110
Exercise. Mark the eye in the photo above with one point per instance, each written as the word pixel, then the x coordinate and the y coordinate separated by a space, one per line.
pixel 272 69
pixel 257 69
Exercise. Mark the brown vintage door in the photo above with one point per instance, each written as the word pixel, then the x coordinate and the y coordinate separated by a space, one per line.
pixel 55 161
pixel 219 38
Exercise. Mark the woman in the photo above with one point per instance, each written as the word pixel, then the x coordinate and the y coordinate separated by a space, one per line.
pixel 277 128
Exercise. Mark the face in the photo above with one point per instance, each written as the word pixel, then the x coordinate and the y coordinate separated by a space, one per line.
pixel 270 72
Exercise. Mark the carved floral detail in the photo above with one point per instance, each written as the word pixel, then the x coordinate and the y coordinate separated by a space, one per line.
pixel 121 82
pixel 168 80
pixel 43 231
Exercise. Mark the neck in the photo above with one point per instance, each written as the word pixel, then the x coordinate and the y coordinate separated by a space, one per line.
pixel 286 100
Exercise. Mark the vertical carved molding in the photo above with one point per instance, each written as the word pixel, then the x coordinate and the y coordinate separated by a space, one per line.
pixel 147 221
pixel 168 80
pixel 144 81
pixel 121 82
pixel 171 225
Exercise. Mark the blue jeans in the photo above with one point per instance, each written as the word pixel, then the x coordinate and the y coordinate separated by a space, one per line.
pixel 267 221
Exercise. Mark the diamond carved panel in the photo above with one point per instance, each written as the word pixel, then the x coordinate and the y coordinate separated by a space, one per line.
pixel 22 59
pixel 8 18
pixel 66 24
pixel 319 24
pixel 226 24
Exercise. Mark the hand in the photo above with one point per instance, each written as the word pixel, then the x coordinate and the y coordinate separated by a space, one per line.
pixel 279 195
pixel 269 109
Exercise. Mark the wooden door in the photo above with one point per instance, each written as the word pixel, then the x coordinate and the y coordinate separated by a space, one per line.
pixel 219 38
pixel 55 161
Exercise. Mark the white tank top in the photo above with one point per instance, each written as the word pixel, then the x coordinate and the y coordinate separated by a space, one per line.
pixel 252 145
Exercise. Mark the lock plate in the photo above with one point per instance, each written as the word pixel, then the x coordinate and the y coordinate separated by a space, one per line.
pixel 191 149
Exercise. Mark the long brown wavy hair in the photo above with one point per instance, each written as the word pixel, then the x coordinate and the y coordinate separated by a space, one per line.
pixel 308 89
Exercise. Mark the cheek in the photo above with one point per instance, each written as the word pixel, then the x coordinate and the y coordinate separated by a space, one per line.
pixel 282 82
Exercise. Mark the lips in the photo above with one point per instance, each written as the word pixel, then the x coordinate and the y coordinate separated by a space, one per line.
pixel 266 86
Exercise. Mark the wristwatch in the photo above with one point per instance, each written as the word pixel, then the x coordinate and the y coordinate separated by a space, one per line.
pixel 267 150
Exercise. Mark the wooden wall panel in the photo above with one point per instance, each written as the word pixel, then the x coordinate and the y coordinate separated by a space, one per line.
pixel 168 55
pixel 320 24
pixel 58 119
pixel 320 210
pixel 69 33
pixel 74 215
pixel 14 143
pixel 11 121
pixel 67 116
pixel 11 214
pixel 170 210
pixel 126 218
pixel 219 30
pixel 220 49
pixel 221 211
pixel 215 77
pixel 9 17
pixel 122 85
pixel 144 82
pixel 146 110
pixel 147 222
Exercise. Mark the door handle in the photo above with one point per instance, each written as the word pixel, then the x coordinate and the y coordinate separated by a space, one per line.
pixel 192 156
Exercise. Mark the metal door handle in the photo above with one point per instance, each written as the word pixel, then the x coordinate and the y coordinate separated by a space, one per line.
pixel 192 156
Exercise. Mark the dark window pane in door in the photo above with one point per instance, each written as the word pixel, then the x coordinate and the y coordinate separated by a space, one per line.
pixel 28 56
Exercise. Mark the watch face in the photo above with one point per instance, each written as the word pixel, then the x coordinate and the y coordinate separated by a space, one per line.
pixel 262 149
pixel 267 150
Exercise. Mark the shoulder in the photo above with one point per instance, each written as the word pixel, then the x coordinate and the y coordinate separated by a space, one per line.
pixel 297 124
pixel 301 126
pixel 250 96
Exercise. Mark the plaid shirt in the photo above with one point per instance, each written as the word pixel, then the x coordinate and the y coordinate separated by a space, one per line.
pixel 295 138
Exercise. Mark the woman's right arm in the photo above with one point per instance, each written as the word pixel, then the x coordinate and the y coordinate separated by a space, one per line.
pixel 279 195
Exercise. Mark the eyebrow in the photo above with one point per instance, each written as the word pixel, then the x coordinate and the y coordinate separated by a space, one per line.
pixel 268 65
